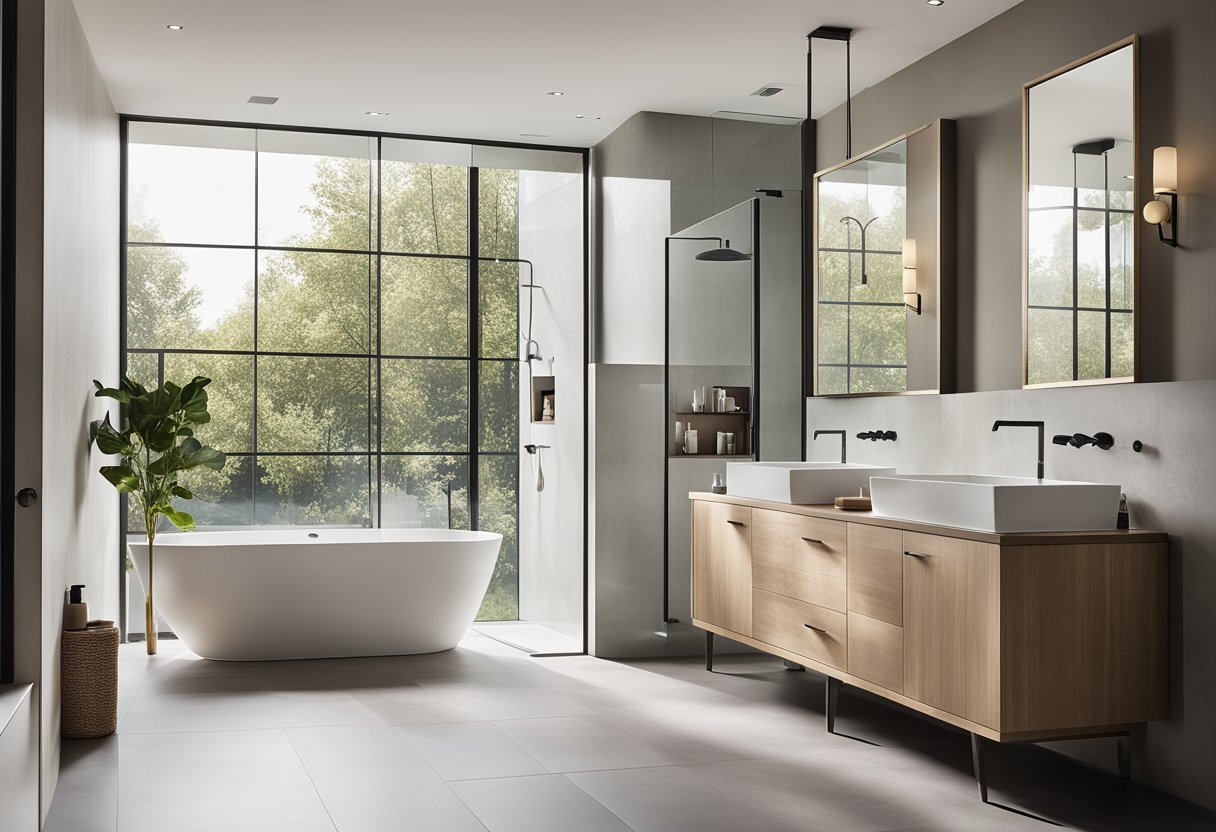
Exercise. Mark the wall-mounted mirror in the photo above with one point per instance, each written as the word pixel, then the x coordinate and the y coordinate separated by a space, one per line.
pixel 883 264
pixel 1080 286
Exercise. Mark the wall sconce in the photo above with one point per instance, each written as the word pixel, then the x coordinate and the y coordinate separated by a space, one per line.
pixel 910 292
pixel 1158 211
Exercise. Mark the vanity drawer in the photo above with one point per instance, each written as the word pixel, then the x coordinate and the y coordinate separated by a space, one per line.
pixel 876 572
pixel 802 628
pixel 876 651
pixel 800 557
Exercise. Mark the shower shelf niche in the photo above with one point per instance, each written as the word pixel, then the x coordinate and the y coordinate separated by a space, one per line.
pixel 543 386
pixel 707 424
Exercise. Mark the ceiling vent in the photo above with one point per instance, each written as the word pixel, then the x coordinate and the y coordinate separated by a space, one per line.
pixel 768 90
pixel 262 99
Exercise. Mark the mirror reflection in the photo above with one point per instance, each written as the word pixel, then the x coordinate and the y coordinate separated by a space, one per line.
pixel 862 325
pixel 1080 225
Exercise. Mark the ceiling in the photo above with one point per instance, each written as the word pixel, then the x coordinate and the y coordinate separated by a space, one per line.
pixel 483 68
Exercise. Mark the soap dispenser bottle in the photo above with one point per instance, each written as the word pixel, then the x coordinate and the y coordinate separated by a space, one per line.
pixel 75 611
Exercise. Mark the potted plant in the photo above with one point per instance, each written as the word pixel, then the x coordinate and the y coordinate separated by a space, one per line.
pixel 156 443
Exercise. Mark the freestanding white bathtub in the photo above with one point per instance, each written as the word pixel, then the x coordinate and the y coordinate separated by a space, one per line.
pixel 319 593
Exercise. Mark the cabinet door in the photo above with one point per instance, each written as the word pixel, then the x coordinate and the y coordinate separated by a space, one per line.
pixel 876 573
pixel 722 565
pixel 952 625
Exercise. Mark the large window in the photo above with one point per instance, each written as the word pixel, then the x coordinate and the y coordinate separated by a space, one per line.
pixel 355 300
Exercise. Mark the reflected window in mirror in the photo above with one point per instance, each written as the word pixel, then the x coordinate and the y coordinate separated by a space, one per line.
pixel 1080 275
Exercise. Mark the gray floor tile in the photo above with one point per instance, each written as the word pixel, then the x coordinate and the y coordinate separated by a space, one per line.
pixel 370 780
pixel 666 799
pixel 236 711
pixel 581 744
pixel 470 750
pixel 549 803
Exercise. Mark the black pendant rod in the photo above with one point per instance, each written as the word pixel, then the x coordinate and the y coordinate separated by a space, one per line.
pixel 837 33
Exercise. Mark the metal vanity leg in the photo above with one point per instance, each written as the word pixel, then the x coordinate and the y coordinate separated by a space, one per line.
pixel 1125 756
pixel 709 651
pixel 977 764
pixel 789 665
pixel 831 692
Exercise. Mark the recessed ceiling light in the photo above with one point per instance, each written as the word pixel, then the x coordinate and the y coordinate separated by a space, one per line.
pixel 263 99
pixel 375 113
pixel 174 27
pixel 936 2
pixel 590 118
pixel 534 135
pixel 768 90
pixel 556 93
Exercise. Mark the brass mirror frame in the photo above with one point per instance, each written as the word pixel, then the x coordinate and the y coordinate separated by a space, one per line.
pixel 944 272
pixel 1137 196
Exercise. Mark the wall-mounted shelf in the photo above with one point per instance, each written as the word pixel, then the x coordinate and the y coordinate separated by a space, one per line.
pixel 709 456
pixel 542 386
pixel 708 423
pixel 712 413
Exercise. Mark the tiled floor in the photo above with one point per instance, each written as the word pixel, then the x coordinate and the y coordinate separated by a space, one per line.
pixel 486 738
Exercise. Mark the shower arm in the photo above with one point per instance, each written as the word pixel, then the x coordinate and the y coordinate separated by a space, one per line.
pixel 530 285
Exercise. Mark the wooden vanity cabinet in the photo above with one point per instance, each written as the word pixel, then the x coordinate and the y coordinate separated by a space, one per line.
pixel 1010 637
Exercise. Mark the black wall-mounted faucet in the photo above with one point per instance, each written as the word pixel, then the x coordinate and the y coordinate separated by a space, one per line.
pixel 843 440
pixel 1002 423
pixel 876 435
pixel 1079 440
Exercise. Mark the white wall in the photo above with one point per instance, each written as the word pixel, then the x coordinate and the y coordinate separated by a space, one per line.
pixel 67 334
pixel 551 521
pixel 1168 488
pixel 635 218
pixel 18 747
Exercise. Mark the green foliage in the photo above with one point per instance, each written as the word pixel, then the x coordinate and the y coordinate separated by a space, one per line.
pixel 156 444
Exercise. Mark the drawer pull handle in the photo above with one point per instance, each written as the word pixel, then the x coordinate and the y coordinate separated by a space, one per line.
pixel 736 522
pixel 814 540
pixel 912 554
pixel 815 629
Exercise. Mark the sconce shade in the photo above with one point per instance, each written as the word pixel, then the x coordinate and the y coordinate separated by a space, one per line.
pixel 910 267
pixel 1165 170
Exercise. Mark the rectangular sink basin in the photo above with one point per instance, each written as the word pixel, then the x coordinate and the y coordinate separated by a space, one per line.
pixel 997 504
pixel 799 483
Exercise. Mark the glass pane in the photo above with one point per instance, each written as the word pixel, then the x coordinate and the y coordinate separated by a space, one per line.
pixel 424 306
pixel 1122 261
pixel 229 396
pixel 499 406
pixel 501 298
pixel 1122 345
pixel 424 405
pixel 313 405
pixel 224 498
pixel 142 368
pixel 1049 346
pixel 878 380
pixel 879 335
pixel 1050 196
pixel 833 333
pixel 424 206
pixel 1091 259
pixel 498 204
pixel 190 184
pixel 833 275
pixel 885 273
pixel 497 512
pixel 189 298
pixel 315 190
pixel 1091 345
pixel 833 381
pixel 1051 258
pixel 313 490
pixel 314 302
pixel 415 492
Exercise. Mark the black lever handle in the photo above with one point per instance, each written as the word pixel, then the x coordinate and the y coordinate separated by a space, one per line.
pixel 1061 439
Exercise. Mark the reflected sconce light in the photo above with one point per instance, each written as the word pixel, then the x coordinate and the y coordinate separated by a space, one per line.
pixel 1163 208
pixel 910 291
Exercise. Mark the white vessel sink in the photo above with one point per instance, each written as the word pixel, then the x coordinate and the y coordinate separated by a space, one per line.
pixel 997 504
pixel 800 483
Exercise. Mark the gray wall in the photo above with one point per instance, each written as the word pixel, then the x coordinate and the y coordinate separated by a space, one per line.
pixel 977 80
pixel 67 329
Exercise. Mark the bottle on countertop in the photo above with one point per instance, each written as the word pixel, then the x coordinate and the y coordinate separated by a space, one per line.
pixel 1125 519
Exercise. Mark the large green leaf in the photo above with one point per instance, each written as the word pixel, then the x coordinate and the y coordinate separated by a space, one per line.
pixel 110 441
pixel 179 518
pixel 182 491
pixel 111 393
pixel 121 477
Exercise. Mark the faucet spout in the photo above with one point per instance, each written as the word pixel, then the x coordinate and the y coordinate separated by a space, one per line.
pixel 844 453
pixel 1004 423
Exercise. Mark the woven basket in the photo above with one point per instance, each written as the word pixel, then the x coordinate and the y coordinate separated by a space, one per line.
pixel 89 683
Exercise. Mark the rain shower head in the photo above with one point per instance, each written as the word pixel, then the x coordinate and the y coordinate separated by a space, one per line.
pixel 726 254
